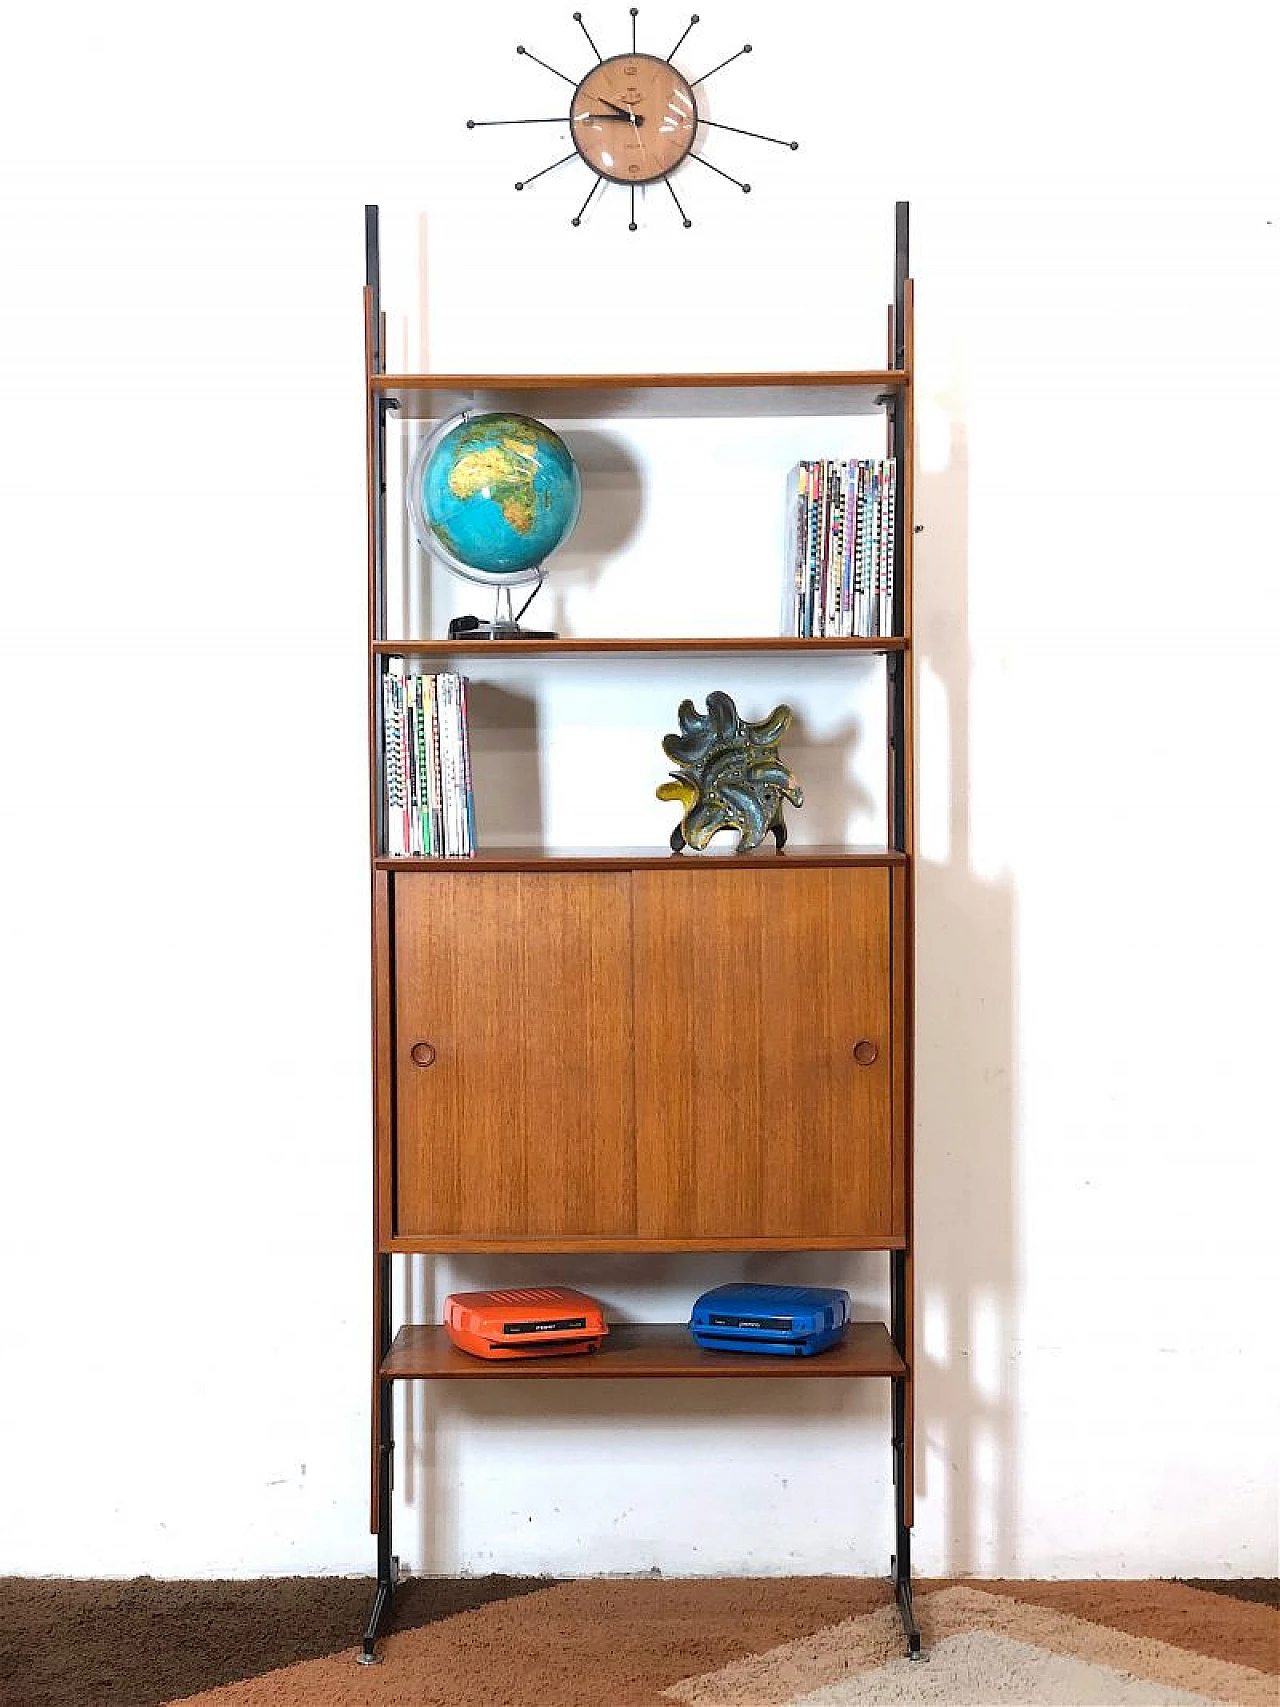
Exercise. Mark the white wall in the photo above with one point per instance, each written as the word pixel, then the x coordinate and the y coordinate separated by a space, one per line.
pixel 184 1099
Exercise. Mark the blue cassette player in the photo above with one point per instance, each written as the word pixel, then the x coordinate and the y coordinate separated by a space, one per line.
pixel 782 1321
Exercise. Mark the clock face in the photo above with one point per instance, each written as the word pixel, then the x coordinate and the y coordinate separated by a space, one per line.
pixel 633 118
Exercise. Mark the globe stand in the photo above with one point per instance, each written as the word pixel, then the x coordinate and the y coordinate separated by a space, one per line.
pixel 498 450
pixel 504 626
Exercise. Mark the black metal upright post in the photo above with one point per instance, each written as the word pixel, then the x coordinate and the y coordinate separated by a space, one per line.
pixel 377 500
pixel 898 450
pixel 383 1418
pixel 899 688
pixel 384 1442
pixel 900 1564
pixel 901 273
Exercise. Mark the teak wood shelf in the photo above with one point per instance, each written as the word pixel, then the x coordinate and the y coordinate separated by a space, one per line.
pixel 552 648
pixel 639 1350
pixel 596 859
pixel 422 396
pixel 544 1062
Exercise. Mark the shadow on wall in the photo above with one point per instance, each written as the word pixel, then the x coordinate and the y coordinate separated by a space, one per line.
pixel 966 1183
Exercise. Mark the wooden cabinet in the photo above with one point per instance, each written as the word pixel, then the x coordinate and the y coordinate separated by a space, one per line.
pixel 755 1118
pixel 514 1105
pixel 631 1050
pixel 644 1057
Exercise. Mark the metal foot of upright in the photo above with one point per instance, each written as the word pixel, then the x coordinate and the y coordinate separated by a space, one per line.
pixel 384 1446
pixel 903 1457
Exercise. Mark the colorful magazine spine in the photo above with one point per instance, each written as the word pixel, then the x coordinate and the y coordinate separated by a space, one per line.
pixel 875 538
pixel 421 750
pixel 846 547
pixel 397 794
pixel 813 547
pixel 887 624
pixel 430 807
pixel 469 804
pixel 840 545
pixel 797 533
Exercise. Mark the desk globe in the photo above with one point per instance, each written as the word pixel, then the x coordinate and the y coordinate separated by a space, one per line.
pixel 492 496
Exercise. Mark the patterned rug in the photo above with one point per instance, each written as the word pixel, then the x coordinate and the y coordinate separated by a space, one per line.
pixel 721 1642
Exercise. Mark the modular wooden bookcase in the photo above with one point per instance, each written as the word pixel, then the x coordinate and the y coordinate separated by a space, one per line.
pixel 576 1122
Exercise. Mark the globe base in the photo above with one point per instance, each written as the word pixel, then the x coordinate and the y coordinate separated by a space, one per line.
pixel 505 625
pixel 472 628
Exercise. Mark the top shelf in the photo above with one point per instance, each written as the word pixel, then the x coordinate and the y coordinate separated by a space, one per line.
pixel 570 396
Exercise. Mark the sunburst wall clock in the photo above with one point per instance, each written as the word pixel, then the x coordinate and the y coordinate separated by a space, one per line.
pixel 634 120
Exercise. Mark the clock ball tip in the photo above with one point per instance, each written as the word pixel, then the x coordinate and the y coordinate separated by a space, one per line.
pixel 471 124
pixel 519 50
pixel 746 189
pixel 746 47
pixel 794 146
pixel 519 186
pixel 633 226
pixel 687 224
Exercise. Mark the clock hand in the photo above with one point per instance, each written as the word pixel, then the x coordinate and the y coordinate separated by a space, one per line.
pixel 606 118
pixel 622 112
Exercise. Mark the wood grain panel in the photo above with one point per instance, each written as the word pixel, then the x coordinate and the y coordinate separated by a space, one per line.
pixel 383 1044
pixel 908 583
pixel 753 1118
pixel 563 1243
pixel 900 996
pixel 374 612
pixel 522 1124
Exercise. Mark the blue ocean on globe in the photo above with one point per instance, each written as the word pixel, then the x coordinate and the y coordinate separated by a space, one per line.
pixel 499 493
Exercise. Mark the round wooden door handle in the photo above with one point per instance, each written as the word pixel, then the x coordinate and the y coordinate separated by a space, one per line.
pixel 422 1054
pixel 865 1052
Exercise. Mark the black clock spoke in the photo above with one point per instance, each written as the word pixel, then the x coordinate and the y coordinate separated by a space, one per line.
pixel 635 12
pixel 633 226
pixel 675 50
pixel 571 81
pixel 476 124
pixel 694 81
pixel 758 134
pixel 577 218
pixel 703 161
pixel 523 183
pixel 577 18
pixel 676 199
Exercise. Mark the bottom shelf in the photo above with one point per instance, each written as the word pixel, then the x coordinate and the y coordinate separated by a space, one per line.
pixel 634 1349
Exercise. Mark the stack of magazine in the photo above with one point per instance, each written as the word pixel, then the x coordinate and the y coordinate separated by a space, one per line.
pixel 840 541
pixel 427 765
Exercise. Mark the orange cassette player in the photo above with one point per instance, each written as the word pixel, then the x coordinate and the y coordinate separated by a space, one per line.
pixel 528 1321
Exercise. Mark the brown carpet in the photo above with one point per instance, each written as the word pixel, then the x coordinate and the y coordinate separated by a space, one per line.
pixel 703 1642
